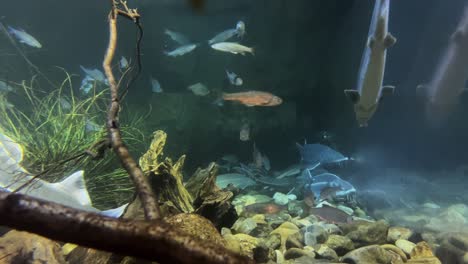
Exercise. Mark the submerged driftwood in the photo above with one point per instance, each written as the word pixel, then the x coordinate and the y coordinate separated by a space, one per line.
pixel 210 201
pixel 153 240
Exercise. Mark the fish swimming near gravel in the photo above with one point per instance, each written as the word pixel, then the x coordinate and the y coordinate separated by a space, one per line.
pixel 233 47
pixel 314 155
pixel 181 50
pixel 25 38
pixel 253 98
pixel 331 214
pixel 369 90
pixel 70 192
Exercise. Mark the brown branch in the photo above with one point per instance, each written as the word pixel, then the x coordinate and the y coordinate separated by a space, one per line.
pixel 152 240
pixel 145 193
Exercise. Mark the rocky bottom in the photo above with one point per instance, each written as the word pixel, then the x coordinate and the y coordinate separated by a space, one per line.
pixel 272 230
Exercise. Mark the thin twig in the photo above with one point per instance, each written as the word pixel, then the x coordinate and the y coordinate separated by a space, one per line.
pixel 144 190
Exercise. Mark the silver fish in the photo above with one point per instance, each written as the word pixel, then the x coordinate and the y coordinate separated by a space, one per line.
pixel 223 36
pixel 239 31
pixel 123 63
pixel 91 126
pixel 87 84
pixel 449 79
pixel 156 86
pixel 177 37
pixel 70 192
pixel 232 47
pixel 369 87
pixel 199 89
pixel 65 104
pixel 240 27
pixel 24 37
pixel 94 74
pixel 233 78
pixel 5 87
pixel 181 50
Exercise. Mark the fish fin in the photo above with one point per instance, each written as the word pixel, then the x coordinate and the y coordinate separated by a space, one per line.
pixel 252 50
pixel 353 95
pixel 387 90
pixel 116 212
pixel 249 105
pixel 389 40
pixel 75 186
pixel 371 42
pixel 300 148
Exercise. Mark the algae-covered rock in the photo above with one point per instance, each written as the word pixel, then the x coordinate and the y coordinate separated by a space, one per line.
pixel 315 234
pixel 294 253
pixel 285 230
pixel 23 247
pixel 396 232
pixel 197 226
pixel 340 244
pixel 405 245
pixel 244 225
pixel 364 233
pixel 421 250
pixel 325 252
pixel 395 250
pixel 242 244
pixel 369 254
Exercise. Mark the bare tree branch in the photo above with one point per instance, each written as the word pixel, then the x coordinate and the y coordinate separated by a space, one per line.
pixel 144 191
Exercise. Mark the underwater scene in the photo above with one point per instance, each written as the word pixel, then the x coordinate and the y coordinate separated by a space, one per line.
pixel 213 131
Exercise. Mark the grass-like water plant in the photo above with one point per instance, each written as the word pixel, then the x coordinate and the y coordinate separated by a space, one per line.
pixel 55 126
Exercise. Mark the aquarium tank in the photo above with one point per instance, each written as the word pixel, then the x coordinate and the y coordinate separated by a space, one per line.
pixel 214 131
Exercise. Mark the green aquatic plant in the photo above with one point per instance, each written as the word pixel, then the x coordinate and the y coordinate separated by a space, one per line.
pixel 58 125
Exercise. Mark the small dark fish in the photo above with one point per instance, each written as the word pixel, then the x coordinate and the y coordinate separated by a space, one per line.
pixel 331 214
pixel 264 208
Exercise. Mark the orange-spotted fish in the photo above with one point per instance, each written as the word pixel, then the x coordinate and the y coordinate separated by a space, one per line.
pixel 253 98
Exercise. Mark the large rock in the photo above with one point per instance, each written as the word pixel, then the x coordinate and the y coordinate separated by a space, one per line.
pixel 395 233
pixel 366 233
pixel 197 226
pixel 315 234
pixel 23 247
pixel 405 245
pixel 242 244
pixel 325 252
pixel 340 244
pixel 369 254
pixel 453 248
pixel 285 230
